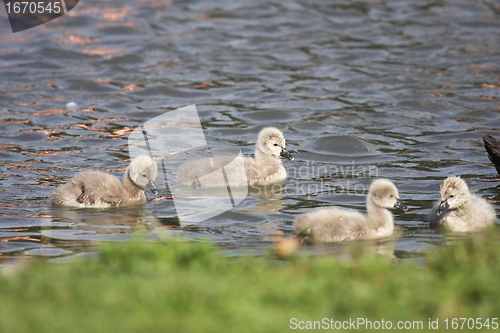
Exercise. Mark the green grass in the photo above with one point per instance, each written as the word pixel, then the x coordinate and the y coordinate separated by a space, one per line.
pixel 190 287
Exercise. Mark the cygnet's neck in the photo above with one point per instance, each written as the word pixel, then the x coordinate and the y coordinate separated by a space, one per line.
pixel 380 218
pixel 130 186
pixel 265 159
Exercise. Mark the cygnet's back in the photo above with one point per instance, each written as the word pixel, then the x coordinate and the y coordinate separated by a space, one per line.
pixel 459 210
pixel 266 168
pixel 339 224
pixel 95 189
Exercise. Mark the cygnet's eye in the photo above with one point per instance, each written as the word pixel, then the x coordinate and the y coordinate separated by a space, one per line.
pixel 144 175
pixel 276 145
pixel 451 196
pixel 392 196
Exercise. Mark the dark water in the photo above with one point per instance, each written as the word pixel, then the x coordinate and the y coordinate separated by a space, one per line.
pixel 361 89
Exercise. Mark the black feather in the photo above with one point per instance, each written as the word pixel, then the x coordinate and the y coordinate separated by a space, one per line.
pixel 492 146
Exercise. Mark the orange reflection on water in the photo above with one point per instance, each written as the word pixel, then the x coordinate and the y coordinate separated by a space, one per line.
pixel 115 14
pixel 91 128
pixel 6 147
pixel 89 110
pixel 115 133
pixel 492 86
pixel 13 39
pixel 203 17
pixel 51 181
pixel 105 52
pixel 21 87
pixel 109 120
pixel 80 40
pixel 434 73
pixel 50 132
pixel 481 66
pixel 24 103
pixel 123 131
pixel 14 121
pixel 8 239
pixel 53 153
pixel 49 112
pixel 162 198
pixel 130 87
pixel 16 166
pixel 203 84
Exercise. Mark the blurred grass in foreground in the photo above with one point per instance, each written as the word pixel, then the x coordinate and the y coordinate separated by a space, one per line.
pixel 189 287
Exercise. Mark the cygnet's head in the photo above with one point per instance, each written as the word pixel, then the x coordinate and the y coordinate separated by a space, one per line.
pixel 385 194
pixel 454 193
pixel 143 171
pixel 272 142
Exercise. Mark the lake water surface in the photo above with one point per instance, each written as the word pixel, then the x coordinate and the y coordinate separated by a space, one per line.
pixel 361 89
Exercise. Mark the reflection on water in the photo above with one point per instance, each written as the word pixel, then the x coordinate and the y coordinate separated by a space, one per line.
pixel 361 89
pixel 82 228
pixel 270 198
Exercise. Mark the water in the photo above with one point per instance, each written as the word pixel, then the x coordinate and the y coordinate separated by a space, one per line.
pixel 361 89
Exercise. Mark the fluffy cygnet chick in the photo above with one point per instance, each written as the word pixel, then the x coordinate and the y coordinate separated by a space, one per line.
pixel 95 189
pixel 266 168
pixel 338 224
pixel 459 210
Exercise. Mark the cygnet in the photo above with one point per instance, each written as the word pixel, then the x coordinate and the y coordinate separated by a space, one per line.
pixel 339 224
pixel 459 210
pixel 95 189
pixel 492 146
pixel 266 168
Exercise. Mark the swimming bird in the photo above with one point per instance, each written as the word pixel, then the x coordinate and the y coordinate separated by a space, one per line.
pixel 95 189
pixel 459 210
pixel 492 146
pixel 266 168
pixel 340 224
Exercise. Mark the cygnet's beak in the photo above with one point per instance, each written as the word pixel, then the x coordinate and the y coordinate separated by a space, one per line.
pixel 443 207
pixel 401 205
pixel 152 187
pixel 285 153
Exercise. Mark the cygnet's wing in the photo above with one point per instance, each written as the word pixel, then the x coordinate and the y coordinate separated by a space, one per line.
pixel 483 213
pixel 207 172
pixel 191 171
pixel 98 188
pixel 331 225
pixel 492 146
pixel 67 195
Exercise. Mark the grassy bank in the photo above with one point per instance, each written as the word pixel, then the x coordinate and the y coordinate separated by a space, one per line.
pixel 190 287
